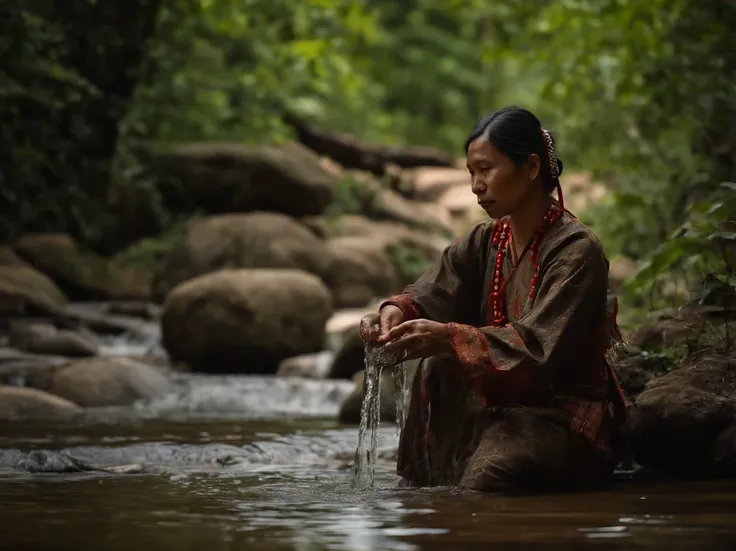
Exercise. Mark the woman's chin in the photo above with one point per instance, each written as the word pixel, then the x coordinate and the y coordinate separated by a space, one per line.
pixel 493 210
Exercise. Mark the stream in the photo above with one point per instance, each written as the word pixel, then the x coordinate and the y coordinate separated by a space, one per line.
pixel 246 462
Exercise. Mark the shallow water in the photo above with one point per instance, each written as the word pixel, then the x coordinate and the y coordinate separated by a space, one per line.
pixel 276 477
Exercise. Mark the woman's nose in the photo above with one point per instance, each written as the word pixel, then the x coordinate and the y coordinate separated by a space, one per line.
pixel 477 186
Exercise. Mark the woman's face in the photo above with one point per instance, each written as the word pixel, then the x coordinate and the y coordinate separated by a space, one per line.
pixel 500 185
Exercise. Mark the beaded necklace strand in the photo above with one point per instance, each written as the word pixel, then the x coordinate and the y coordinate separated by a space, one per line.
pixel 501 238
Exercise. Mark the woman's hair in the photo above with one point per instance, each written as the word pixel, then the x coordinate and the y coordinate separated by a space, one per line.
pixel 518 133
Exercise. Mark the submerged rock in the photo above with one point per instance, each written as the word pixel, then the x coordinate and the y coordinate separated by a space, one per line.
pixel 245 321
pixel 105 382
pixel 18 403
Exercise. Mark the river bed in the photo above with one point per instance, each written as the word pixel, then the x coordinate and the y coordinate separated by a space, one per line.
pixel 259 463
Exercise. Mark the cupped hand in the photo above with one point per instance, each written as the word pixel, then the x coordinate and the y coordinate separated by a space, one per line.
pixel 375 327
pixel 419 338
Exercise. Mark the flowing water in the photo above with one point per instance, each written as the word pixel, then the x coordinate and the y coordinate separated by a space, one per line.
pixel 226 463
pixel 376 360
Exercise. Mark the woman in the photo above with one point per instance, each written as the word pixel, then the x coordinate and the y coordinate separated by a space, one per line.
pixel 517 393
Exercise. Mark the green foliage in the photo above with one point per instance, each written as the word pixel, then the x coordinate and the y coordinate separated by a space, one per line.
pixel 701 251
pixel 409 261
pixel 641 93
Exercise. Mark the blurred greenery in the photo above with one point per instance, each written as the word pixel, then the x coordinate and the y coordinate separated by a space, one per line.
pixel 639 93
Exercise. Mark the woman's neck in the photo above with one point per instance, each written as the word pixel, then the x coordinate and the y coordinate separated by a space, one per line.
pixel 524 221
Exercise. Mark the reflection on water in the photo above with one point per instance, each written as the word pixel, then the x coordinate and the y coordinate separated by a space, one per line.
pixel 316 509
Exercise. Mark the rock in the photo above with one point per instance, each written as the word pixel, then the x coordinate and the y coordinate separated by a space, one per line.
pixel 363 271
pixel 82 274
pixel 410 250
pixel 428 183
pixel 620 269
pixel 667 331
pixel 227 177
pixel 30 403
pixel 9 258
pixel 350 359
pixel 245 321
pixel 685 420
pixel 387 232
pixel 31 371
pixel 350 151
pixel 351 406
pixel 344 323
pixel 110 381
pixel 385 204
pixel 463 209
pixel 44 338
pixel 307 366
pixel 636 368
pixel 24 291
pixel 254 240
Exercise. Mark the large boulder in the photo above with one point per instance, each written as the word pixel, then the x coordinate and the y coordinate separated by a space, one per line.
pixel 245 321
pixel 254 240
pixel 82 274
pixel 106 382
pixel 227 177
pixel 685 421
pixel 363 270
pixel 18 403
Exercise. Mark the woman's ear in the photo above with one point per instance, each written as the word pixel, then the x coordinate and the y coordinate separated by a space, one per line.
pixel 534 164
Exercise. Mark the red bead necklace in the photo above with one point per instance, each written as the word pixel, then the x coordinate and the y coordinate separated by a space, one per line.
pixel 501 238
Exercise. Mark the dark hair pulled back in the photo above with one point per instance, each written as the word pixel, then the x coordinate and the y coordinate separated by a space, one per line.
pixel 517 133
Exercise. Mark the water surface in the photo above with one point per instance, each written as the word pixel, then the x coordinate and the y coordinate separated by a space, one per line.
pixel 221 474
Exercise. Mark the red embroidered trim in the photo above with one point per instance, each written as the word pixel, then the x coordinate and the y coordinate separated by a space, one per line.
pixel 405 303
pixel 471 348
pixel 587 419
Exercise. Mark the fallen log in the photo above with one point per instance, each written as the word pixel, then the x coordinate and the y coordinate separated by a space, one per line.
pixel 351 152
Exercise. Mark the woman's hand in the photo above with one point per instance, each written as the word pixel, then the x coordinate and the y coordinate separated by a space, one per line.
pixel 420 338
pixel 375 327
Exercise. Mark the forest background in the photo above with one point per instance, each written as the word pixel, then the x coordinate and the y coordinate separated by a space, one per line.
pixel 640 93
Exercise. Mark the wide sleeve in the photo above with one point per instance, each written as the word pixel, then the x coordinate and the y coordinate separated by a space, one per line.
pixel 450 289
pixel 564 322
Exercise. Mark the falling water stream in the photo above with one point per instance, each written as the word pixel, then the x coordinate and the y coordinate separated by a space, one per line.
pixel 376 360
